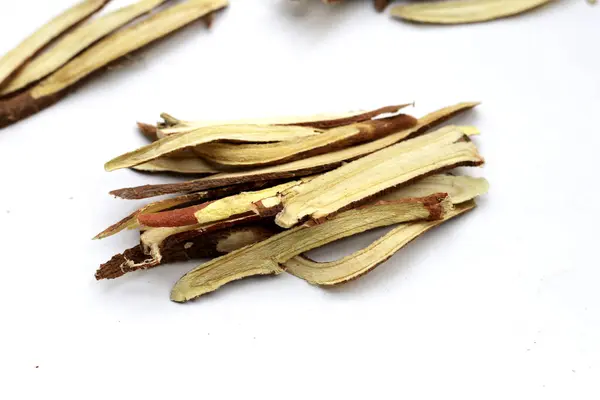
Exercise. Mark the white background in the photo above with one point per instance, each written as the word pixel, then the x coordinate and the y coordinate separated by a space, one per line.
pixel 501 303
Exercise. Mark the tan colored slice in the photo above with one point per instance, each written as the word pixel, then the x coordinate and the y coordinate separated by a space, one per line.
pixel 173 125
pixel 308 166
pixel 254 155
pixel 240 133
pixel 365 260
pixel 359 180
pixel 77 41
pixel 464 11
pixel 177 165
pixel 265 257
pixel 16 58
pixel 107 50
pixel 461 190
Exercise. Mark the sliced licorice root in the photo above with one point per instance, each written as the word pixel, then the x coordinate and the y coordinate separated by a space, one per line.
pixel 461 190
pixel 216 210
pixel 265 257
pixel 254 155
pixel 464 11
pixel 177 248
pixel 172 125
pixel 364 261
pixel 359 180
pixel 131 221
pixel 75 42
pixel 238 133
pixel 308 166
pixel 16 58
pixel 107 50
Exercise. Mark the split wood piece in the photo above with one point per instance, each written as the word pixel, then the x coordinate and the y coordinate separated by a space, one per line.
pixel 177 249
pixel 131 221
pixel 20 55
pixel 192 166
pixel 308 166
pixel 461 191
pixel 216 210
pixel 77 41
pixel 238 133
pixel 265 257
pixel 255 155
pixel 172 126
pixel 155 240
pixel 464 11
pixel 359 180
pixel 107 50
pixel 367 259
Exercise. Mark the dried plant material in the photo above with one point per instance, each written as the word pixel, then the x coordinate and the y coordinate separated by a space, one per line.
pixel 112 48
pixel 265 257
pixel 155 240
pixel 464 11
pixel 148 130
pixel 253 155
pixel 131 221
pixel 365 260
pixel 303 167
pixel 173 125
pixel 459 188
pixel 239 133
pixel 183 249
pixel 357 181
pixel 216 210
pixel 195 166
pixel 75 42
pixel 16 58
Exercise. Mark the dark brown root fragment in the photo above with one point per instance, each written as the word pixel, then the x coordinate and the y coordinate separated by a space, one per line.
pixel 184 247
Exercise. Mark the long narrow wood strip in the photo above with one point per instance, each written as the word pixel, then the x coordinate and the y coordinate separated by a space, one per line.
pixel 110 49
pixel 265 257
pixel 364 261
pixel 131 221
pixel 238 133
pixel 319 121
pixel 255 155
pixel 16 58
pixel 216 210
pixel 304 167
pixel 463 11
pixel 76 41
pixel 357 181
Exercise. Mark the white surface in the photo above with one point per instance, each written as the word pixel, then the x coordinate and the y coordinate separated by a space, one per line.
pixel 502 303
